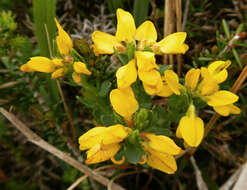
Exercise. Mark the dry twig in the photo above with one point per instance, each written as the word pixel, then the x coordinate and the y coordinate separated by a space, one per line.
pixel 34 138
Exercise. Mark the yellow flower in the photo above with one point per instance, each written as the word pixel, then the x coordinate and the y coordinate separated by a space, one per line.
pixel 126 75
pixel 172 81
pixel 160 161
pixel 221 98
pixel 191 128
pixel 172 44
pixel 145 34
pixel 126 28
pixel 227 109
pixel 162 144
pixel 145 61
pixel 58 73
pixel 103 142
pixel 123 102
pixel 64 42
pixel 81 68
pixel 218 71
pixel 40 64
pixel 192 78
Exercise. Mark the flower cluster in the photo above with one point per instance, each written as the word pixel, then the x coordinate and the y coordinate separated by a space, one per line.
pixel 58 66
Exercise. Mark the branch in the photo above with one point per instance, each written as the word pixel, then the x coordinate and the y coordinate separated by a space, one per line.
pixel 34 138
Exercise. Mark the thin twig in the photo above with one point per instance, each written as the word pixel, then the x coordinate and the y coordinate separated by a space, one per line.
pixel 186 12
pixel 34 138
pixel 241 181
pixel 199 180
pixel 8 84
pixel 66 108
pixel 179 20
pixel 229 45
pixel 77 182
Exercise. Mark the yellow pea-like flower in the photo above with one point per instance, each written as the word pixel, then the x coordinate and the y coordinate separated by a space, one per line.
pixel 81 68
pixel 26 68
pixel 172 80
pixel 172 44
pixel 221 98
pixel 64 42
pixel 162 144
pixel 76 77
pixel 218 71
pixel 191 128
pixel 103 135
pixel 126 28
pixel 104 43
pixel 146 32
pixel 124 102
pixel 151 77
pixel 165 91
pixel 126 75
pixel 192 78
pixel 227 109
pixel 58 73
pixel 145 61
pixel 100 153
pixel 40 64
pixel 160 161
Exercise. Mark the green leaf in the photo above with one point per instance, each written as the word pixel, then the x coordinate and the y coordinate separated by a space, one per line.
pixel 105 88
pixel 163 68
pixel 140 11
pixel 226 29
pixel 44 14
pixel 236 56
pixel 133 152
pixel 113 5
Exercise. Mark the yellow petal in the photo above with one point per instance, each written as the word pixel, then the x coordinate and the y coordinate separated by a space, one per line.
pixel 115 134
pixel 126 75
pixel 100 153
pixel 192 78
pixel 173 81
pixel 92 137
pixel 58 73
pixel 41 64
pixel 81 68
pixel 227 109
pixel 76 77
pixel 64 42
pixel 191 129
pixel 58 62
pixel 165 91
pixel 126 28
pixel 26 68
pixel 146 32
pixel 221 98
pixel 173 43
pixel 151 90
pixel 218 70
pixel 123 102
pixel 160 161
pixel 104 43
pixel 145 61
pixel 162 144
pixel 151 77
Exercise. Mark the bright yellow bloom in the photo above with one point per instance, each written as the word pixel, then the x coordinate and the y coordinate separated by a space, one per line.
pixel 126 28
pixel 160 161
pixel 221 98
pixel 58 73
pixel 145 34
pixel 126 75
pixel 172 81
pixel 40 64
pixel 124 102
pixel 76 77
pixel 103 142
pixel 162 144
pixel 191 128
pixel 81 68
pixel 218 70
pixel 227 109
pixel 64 42
pixel 172 44
pixel 104 43
pixel 192 78
pixel 145 61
